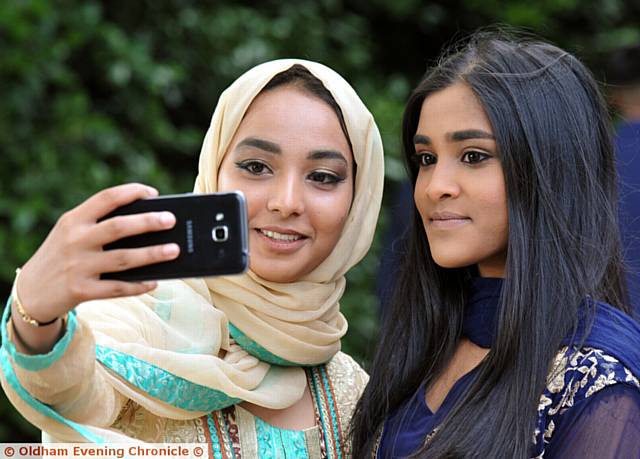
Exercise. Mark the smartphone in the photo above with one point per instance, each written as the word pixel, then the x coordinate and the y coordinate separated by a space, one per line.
pixel 211 230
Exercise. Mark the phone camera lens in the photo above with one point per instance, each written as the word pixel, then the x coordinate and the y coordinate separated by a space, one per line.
pixel 220 233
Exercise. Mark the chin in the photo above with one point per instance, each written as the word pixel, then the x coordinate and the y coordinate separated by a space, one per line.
pixel 452 262
pixel 281 276
pixel 453 265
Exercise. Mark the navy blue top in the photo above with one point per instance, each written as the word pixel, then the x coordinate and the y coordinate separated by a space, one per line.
pixel 582 431
pixel 628 165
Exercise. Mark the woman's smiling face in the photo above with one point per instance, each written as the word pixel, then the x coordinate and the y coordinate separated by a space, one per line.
pixel 294 164
pixel 460 191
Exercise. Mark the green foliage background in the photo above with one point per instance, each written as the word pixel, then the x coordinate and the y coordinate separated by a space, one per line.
pixel 97 93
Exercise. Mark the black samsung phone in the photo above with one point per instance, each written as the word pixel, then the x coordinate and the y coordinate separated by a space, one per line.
pixel 211 230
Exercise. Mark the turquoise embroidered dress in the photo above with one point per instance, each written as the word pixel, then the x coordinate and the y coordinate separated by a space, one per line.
pixel 81 382
pixel 233 432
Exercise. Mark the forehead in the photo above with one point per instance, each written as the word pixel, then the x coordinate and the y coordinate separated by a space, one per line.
pixel 291 116
pixel 287 105
pixel 455 107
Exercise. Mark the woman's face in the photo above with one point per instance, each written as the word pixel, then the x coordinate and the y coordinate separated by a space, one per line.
pixel 460 190
pixel 292 161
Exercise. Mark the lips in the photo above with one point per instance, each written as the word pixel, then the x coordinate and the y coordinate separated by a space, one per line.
pixel 283 237
pixel 447 216
pixel 444 220
pixel 280 241
pixel 280 234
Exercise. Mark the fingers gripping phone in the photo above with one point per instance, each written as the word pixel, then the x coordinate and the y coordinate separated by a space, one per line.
pixel 211 230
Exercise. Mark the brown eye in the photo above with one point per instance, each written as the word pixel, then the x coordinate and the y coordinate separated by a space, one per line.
pixel 324 178
pixel 474 157
pixel 253 167
pixel 426 159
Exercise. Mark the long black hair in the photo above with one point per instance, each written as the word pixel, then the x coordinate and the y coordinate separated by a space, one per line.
pixel 555 143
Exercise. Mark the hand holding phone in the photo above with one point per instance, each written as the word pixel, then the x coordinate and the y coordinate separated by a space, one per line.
pixel 71 265
pixel 65 270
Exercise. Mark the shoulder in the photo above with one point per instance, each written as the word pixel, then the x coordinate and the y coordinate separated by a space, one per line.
pixel 579 373
pixel 343 369
pixel 343 380
pixel 610 355
pixel 576 376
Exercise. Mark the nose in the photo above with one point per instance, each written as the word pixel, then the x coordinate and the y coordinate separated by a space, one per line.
pixel 286 196
pixel 440 182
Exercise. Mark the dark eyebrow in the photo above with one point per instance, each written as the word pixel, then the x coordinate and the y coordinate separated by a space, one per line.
pixel 419 139
pixel 327 154
pixel 261 144
pixel 456 136
pixel 470 134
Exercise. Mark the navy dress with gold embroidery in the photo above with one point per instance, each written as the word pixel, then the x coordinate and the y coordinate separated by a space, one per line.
pixel 590 407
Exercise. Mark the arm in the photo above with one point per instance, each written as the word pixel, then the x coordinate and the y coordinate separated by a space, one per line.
pixel 67 379
pixel 50 370
pixel 65 270
pixel 605 425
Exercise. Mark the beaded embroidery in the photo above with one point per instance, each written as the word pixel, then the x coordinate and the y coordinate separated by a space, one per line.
pixel 576 375
pixel 222 430
pixel 162 384
pixel 327 413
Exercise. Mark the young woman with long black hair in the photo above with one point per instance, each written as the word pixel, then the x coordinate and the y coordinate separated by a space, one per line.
pixel 509 334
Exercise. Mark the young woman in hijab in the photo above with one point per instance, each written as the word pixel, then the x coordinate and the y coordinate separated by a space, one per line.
pixel 250 364
pixel 509 334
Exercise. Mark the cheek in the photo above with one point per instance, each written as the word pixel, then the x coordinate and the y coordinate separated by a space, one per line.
pixel 226 175
pixel 230 180
pixel 255 201
pixel 494 203
pixel 328 212
pixel 418 199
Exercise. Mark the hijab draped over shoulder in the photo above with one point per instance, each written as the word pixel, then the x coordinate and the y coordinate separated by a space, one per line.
pixel 162 350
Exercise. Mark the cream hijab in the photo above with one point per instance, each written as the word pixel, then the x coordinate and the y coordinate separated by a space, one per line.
pixel 299 322
pixel 161 349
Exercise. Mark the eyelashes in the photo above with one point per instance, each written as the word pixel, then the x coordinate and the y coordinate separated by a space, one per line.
pixel 325 178
pixel 321 177
pixel 254 167
pixel 471 157
pixel 424 159
pixel 475 157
